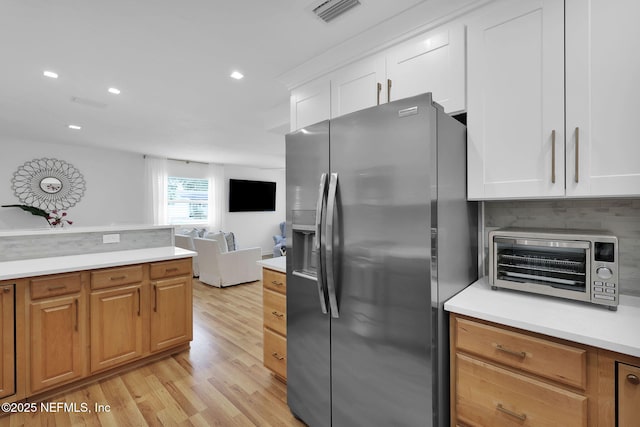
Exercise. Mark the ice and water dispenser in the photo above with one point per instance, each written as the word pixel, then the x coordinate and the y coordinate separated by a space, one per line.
pixel 305 248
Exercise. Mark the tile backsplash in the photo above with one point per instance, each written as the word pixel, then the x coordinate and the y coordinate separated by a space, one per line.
pixel 618 216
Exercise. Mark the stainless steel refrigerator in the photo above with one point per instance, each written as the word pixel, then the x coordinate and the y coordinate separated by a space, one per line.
pixel 379 235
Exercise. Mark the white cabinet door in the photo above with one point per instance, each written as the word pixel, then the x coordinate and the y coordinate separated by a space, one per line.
pixel 357 86
pixel 603 97
pixel 432 62
pixel 516 100
pixel 310 103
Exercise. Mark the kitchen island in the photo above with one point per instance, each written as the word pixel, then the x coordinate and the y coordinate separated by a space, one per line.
pixel 542 359
pixel 274 307
pixel 73 319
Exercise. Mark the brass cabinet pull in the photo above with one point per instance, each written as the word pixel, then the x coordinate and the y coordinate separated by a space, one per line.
pixel 520 354
pixel 388 90
pixel 114 278
pixel 577 154
pixel 379 90
pixel 633 379
pixel 553 156
pixel 6 290
pixel 279 315
pixel 277 356
pixel 169 270
pixel 138 301
pixel 155 298
pixel 57 288
pixel 277 283
pixel 521 417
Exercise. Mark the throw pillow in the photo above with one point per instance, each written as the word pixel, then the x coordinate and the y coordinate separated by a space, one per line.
pixel 231 241
pixel 219 237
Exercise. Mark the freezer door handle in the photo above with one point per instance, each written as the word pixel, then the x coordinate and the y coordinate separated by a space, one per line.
pixel 329 244
pixel 320 277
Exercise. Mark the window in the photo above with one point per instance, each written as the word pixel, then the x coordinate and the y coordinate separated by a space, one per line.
pixel 187 200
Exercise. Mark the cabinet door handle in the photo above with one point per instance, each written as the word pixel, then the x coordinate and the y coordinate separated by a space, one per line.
pixel 277 356
pixel 139 302
pixel 75 301
pixel 388 90
pixel 553 156
pixel 520 354
pixel 155 298
pixel 379 90
pixel 633 379
pixel 577 154
pixel 279 315
pixel 521 417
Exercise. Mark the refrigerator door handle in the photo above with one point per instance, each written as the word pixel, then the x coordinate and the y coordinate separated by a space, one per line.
pixel 320 276
pixel 331 283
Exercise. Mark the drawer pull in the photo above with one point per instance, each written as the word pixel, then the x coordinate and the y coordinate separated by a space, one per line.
pixel 521 417
pixel 56 288
pixel 633 379
pixel 277 283
pixel 6 290
pixel 279 315
pixel 277 356
pixel 170 270
pixel 520 354
pixel 114 278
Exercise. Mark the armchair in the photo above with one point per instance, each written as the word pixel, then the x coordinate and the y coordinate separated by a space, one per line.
pixel 186 242
pixel 222 269
pixel 280 241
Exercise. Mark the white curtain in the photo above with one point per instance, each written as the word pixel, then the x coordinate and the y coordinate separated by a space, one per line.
pixel 216 196
pixel 156 190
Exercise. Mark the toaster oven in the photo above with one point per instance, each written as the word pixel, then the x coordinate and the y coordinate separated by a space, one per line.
pixel 578 265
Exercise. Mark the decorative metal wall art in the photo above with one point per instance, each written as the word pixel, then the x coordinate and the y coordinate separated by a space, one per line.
pixel 48 184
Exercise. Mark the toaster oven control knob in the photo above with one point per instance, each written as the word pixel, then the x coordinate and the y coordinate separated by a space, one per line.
pixel 604 273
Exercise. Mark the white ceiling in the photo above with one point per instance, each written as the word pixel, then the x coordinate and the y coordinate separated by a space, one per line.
pixel 171 59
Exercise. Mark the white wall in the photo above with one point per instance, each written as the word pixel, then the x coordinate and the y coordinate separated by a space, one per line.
pixel 114 184
pixel 256 228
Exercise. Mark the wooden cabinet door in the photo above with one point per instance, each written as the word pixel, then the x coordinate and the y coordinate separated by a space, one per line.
pixel 603 97
pixel 516 100
pixel 171 313
pixel 628 395
pixel 358 86
pixel 7 340
pixel 116 326
pixel 432 62
pixel 57 344
pixel 310 103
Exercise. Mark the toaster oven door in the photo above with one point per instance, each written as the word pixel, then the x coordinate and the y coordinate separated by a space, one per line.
pixel 550 267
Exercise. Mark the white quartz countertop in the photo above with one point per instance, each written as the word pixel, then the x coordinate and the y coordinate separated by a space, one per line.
pixel 580 322
pixel 277 264
pixel 63 264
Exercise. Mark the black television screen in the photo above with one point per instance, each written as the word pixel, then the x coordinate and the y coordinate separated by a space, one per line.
pixel 251 196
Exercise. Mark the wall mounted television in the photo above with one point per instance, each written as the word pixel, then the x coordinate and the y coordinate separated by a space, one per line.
pixel 251 196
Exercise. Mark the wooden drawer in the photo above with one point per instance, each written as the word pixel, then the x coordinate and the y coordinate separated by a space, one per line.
pixel 160 270
pixel 274 280
pixel 558 362
pixel 51 286
pixel 275 353
pixel 488 395
pixel 116 276
pixel 275 311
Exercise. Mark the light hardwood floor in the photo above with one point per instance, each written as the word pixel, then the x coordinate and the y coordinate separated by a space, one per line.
pixel 220 381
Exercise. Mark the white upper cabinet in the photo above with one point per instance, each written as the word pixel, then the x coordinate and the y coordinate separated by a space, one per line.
pixel 358 86
pixel 515 118
pixel 432 62
pixel 603 97
pixel 310 103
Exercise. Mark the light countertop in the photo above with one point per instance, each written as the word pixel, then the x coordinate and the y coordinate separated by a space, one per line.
pixel 277 264
pixel 63 264
pixel 87 229
pixel 580 322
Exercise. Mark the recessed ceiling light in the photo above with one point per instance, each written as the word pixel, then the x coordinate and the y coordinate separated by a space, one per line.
pixel 75 127
pixel 114 91
pixel 237 75
pixel 50 74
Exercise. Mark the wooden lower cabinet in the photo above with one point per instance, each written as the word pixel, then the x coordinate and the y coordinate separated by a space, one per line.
pixel 171 316
pixel 58 341
pixel 7 340
pixel 116 326
pixel 628 395
pixel 274 303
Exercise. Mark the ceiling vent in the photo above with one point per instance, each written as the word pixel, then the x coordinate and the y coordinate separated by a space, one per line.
pixel 331 9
